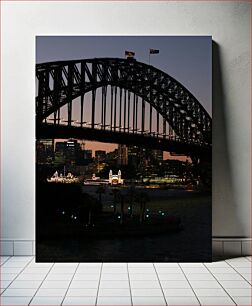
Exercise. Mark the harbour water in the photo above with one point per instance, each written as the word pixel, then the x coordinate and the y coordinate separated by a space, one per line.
pixel 192 242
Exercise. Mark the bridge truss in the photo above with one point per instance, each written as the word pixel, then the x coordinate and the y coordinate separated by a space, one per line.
pixel 119 96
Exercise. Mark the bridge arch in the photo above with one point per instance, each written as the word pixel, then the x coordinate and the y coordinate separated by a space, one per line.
pixel 59 83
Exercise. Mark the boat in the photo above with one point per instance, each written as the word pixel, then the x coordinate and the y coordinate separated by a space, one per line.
pixel 60 178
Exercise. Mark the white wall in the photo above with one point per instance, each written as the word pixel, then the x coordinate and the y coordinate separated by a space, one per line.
pixel 228 23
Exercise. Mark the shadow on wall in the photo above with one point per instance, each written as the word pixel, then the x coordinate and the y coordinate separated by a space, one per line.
pixel 225 215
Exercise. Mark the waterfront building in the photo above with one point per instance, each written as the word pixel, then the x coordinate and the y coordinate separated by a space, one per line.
pixel 157 155
pixel 100 155
pixel 115 179
pixel 122 155
pixel 45 150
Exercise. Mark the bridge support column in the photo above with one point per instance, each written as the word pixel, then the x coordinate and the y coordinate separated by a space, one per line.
pixel 93 108
pixel 82 109
pixel 143 115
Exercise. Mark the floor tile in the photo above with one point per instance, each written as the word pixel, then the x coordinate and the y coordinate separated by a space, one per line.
pixel 180 300
pixel 217 264
pixel 8 276
pixel 171 276
pixel 197 270
pixel 235 284
pixel 55 284
pixel 66 264
pixel 114 264
pixel 94 264
pixel 139 276
pixel 19 292
pixel 25 284
pixel 5 283
pixel 166 264
pixel 229 276
pixel 21 258
pixel 147 270
pixel 169 270
pixel 243 270
pixel 14 264
pixel 14 300
pixel 248 277
pixel 150 300
pixel 140 264
pixel 191 264
pixel 178 292
pixel 146 292
pixel 32 270
pixel 144 284
pixel 221 300
pixel 61 270
pixel 243 300
pixel 29 276
pixel 89 270
pixel 114 284
pixel 47 300
pixel 3 259
pixel 58 276
pixel 219 270
pixel 102 300
pixel 210 292
pixel 84 276
pixel 114 270
pixel 51 292
pixel 205 284
pixel 200 276
pixel 40 265
pixel 241 264
pixel 114 292
pixel 174 284
pixel 239 291
pixel 79 301
pixel 82 292
pixel 237 259
pixel 84 284
pixel 118 276
pixel 9 270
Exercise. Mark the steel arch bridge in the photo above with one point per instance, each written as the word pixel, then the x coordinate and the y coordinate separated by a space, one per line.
pixel 176 120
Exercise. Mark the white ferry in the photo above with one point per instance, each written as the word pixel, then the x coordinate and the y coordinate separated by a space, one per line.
pixel 60 178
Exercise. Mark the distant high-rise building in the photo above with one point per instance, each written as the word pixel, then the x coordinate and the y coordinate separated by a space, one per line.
pixel 60 147
pixel 112 157
pixel 87 154
pixel 122 155
pixel 70 149
pixel 157 155
pixel 45 150
pixel 133 155
pixel 100 154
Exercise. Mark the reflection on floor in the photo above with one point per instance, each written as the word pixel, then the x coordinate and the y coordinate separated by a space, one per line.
pixel 24 282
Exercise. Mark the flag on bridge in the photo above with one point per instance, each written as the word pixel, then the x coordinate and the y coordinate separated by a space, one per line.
pixel 154 51
pixel 129 54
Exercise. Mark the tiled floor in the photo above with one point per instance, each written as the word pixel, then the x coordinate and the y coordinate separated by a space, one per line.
pixel 24 282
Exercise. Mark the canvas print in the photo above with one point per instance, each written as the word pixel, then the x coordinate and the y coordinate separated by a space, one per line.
pixel 123 148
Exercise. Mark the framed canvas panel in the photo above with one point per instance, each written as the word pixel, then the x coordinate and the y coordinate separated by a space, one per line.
pixel 123 148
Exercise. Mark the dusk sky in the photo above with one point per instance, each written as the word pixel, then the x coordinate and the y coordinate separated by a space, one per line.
pixel 186 58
